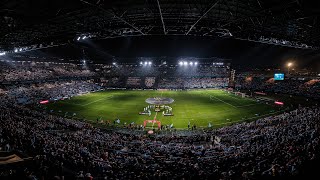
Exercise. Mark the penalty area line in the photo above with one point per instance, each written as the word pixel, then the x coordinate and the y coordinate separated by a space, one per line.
pixel 211 96
pixel 237 97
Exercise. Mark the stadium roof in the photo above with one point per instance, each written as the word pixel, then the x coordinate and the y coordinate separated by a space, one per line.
pixel 42 23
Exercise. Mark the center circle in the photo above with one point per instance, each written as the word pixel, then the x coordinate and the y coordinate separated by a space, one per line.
pixel 159 100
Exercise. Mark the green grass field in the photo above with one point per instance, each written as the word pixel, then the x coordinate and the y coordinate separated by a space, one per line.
pixel 200 107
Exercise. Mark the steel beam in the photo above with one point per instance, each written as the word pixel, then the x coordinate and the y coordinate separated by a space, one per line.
pixel 163 26
pixel 121 19
pixel 202 16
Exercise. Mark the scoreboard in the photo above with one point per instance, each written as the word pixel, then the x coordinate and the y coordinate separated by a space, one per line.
pixel 278 76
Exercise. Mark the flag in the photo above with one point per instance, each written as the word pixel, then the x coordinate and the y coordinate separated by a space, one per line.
pixel 209 125
pixel 171 125
pixel 118 121
pixel 217 140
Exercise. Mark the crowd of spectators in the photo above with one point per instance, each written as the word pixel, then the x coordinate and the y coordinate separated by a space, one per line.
pixel 171 83
pixel 205 82
pixel 275 146
pixel 309 88
pixel 199 71
pixel 272 146
pixel 26 94
pixel 165 71
pixel 133 82
pixel 167 82
pixel 31 72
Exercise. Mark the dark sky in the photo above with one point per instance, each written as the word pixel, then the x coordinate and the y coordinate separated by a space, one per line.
pixel 242 53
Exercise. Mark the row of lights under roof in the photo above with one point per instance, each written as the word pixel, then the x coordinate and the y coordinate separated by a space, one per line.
pixel 218 63
pixel 181 63
pixel 186 63
pixel 81 38
pixel 15 50
pixel 18 50
pixel 141 63
pixel 145 63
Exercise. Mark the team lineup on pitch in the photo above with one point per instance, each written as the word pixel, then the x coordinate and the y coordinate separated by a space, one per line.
pixel 203 108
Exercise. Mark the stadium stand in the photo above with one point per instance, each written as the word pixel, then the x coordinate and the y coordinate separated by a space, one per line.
pixel 76 104
pixel 35 72
pixel 134 82
pixel 274 146
pixel 308 87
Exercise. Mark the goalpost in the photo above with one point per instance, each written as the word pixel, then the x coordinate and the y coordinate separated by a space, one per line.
pixel 240 94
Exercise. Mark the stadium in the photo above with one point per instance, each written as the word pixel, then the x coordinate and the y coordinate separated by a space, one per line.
pixel 154 89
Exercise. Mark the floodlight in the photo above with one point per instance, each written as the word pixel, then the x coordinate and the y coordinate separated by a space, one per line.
pixel 15 50
pixel 185 63
pixel 78 39
pixel 141 63
pixel 145 63
pixel 149 62
pixel 180 63
pixel 191 63
pixel 114 63
pixel 84 37
pixel 196 63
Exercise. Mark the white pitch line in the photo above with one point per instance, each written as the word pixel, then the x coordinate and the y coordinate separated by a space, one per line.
pixel 237 97
pixel 254 117
pixel 233 97
pixel 231 104
pixel 97 100
pixel 243 120
pixel 247 105
pixel 222 101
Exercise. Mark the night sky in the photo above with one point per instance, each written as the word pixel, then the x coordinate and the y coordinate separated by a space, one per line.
pixel 242 53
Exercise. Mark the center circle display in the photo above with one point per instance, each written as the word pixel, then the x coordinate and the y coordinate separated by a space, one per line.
pixel 159 100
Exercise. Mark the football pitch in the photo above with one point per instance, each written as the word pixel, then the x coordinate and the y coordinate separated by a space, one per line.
pixel 203 108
